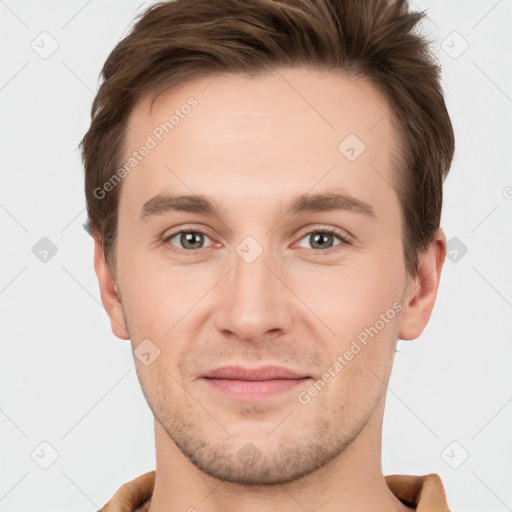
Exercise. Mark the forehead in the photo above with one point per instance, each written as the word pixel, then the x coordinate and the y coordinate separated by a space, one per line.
pixel 256 138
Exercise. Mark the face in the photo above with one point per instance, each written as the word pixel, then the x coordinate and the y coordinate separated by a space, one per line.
pixel 251 270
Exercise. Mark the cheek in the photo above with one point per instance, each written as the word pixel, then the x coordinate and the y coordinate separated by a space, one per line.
pixel 156 296
pixel 351 395
pixel 361 310
pixel 160 387
pixel 361 365
pixel 349 298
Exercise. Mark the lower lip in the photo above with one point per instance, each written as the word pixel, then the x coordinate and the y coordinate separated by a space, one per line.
pixel 254 389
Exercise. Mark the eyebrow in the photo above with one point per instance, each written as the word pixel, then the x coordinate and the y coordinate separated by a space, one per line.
pixel 320 202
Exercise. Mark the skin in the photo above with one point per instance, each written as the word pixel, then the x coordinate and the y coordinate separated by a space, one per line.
pixel 251 145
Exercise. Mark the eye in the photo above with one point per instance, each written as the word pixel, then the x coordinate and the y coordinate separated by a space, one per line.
pixel 193 240
pixel 189 240
pixel 323 239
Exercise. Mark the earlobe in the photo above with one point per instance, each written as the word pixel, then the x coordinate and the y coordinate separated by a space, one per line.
pixel 109 292
pixel 421 293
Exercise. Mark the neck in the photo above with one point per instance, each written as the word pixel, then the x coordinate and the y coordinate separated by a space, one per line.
pixel 352 481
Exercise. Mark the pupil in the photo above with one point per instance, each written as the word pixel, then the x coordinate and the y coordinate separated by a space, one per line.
pixel 318 237
pixel 189 238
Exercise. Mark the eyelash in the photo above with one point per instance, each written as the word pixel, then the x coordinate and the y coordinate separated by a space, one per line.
pixel 344 240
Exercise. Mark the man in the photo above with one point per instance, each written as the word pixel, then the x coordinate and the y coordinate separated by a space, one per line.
pixel 264 188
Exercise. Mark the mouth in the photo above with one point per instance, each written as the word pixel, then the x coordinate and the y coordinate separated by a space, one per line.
pixel 253 383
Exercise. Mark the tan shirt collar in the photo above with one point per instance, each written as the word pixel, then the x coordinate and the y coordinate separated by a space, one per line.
pixel 426 493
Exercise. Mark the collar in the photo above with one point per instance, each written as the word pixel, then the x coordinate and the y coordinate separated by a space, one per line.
pixel 426 493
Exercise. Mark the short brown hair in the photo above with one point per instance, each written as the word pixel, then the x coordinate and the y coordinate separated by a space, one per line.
pixel 177 41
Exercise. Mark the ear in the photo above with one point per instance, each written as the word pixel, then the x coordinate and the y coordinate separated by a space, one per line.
pixel 421 290
pixel 109 292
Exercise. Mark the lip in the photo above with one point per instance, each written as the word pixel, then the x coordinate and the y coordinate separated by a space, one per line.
pixel 255 374
pixel 253 383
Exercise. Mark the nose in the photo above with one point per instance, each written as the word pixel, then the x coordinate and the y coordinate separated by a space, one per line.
pixel 254 302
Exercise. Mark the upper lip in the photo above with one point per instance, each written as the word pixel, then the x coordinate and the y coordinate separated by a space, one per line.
pixel 260 373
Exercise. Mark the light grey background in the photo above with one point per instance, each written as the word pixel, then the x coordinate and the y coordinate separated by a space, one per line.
pixel 67 381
